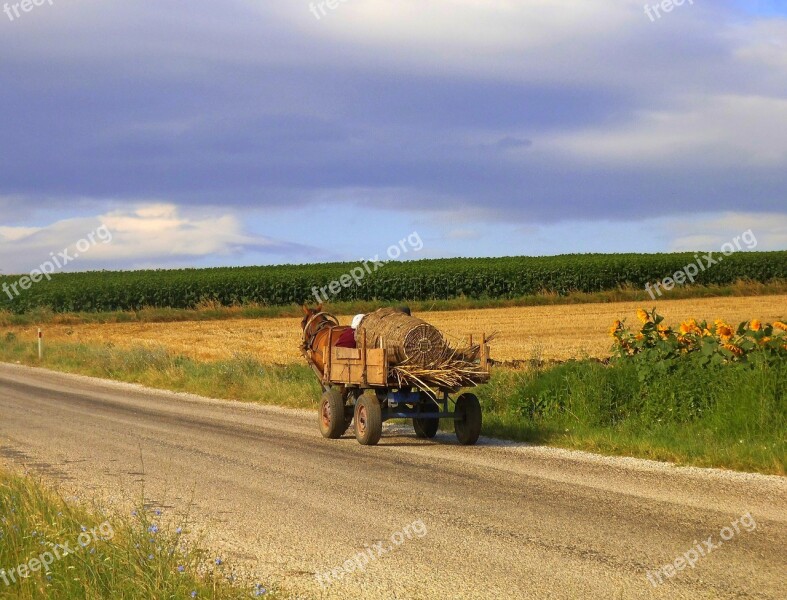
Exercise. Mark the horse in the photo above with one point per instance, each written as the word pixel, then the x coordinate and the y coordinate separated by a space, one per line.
pixel 317 326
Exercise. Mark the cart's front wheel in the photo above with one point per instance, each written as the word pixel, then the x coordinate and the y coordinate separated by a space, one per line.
pixel 427 428
pixel 368 420
pixel 467 422
pixel 332 423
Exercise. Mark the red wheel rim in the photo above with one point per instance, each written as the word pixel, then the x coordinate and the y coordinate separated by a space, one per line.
pixel 361 419
pixel 326 414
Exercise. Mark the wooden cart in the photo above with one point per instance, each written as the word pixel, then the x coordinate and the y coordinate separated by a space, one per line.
pixel 357 386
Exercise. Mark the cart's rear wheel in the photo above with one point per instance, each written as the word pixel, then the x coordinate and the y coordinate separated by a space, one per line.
pixel 427 428
pixel 368 419
pixel 332 419
pixel 467 423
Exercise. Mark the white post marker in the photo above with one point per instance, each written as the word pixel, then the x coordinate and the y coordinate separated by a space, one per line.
pixel 40 344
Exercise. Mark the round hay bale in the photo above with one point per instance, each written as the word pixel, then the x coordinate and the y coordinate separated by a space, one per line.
pixel 406 338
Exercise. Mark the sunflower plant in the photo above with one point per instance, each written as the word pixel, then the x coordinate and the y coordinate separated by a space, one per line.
pixel 660 346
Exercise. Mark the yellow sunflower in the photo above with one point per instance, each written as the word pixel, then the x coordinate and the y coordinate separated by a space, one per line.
pixel 733 348
pixel 616 326
pixel 755 325
pixel 642 315
pixel 689 326
pixel 780 325
pixel 725 331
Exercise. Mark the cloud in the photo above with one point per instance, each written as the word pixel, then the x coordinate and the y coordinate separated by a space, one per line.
pixel 709 232
pixel 530 112
pixel 511 143
pixel 148 234
pixel 719 131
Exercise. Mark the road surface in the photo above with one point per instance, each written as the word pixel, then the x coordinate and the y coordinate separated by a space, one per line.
pixel 433 520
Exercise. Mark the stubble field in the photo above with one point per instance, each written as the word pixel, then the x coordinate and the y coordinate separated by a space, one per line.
pixel 551 333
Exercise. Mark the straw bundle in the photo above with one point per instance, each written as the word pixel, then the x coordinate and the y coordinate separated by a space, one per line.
pixel 419 355
pixel 407 339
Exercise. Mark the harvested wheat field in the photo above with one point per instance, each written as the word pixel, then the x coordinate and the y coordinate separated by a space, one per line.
pixel 546 332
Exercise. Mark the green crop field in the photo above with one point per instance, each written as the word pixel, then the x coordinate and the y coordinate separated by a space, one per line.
pixel 494 278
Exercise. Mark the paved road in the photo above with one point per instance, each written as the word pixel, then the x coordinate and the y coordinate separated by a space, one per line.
pixel 491 521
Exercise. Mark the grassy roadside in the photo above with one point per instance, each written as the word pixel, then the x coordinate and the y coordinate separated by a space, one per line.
pixel 210 311
pixel 50 548
pixel 579 405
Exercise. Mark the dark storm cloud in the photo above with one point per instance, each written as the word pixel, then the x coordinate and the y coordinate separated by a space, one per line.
pixel 202 104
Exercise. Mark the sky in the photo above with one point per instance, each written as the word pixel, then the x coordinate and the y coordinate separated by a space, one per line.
pixel 242 132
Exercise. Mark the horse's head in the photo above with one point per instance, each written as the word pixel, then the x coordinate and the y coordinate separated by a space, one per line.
pixel 308 313
pixel 312 317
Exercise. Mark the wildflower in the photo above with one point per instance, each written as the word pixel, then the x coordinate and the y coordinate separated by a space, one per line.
pixel 259 590
pixel 179 530
pixel 150 557
pixel 642 315
pixel 755 325
pixel 153 529
pixel 219 562
pixel 194 594
pixel 181 568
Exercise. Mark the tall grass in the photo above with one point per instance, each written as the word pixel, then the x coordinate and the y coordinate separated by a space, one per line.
pixel 96 556
pixel 240 378
pixel 731 416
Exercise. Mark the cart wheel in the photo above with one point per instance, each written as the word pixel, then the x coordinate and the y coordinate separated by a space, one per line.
pixel 427 428
pixel 468 422
pixel 368 420
pixel 332 420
